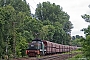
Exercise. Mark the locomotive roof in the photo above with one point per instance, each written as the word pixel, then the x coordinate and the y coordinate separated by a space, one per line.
pixel 37 40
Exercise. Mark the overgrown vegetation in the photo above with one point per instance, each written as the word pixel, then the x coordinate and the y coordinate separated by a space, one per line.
pixel 77 57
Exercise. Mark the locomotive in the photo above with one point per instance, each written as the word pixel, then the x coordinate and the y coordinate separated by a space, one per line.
pixel 43 47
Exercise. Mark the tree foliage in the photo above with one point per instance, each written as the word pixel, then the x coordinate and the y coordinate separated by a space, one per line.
pixel 18 5
pixel 76 42
pixel 54 14
pixel 17 27
pixel 86 41
pixel 86 17
pixel 12 14
pixel 86 46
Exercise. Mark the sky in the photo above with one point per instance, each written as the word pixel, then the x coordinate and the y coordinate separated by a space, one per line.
pixel 74 8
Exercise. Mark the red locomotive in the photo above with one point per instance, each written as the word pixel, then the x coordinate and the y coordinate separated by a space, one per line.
pixel 42 47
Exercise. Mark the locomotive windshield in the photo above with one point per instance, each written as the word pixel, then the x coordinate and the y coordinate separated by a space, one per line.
pixel 34 45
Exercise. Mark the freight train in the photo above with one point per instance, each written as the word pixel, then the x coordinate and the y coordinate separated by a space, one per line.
pixel 43 47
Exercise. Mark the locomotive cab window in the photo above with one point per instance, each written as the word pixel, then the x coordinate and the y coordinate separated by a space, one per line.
pixel 35 45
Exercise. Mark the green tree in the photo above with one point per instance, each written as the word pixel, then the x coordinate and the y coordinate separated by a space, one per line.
pixel 6 16
pixel 86 30
pixel 10 24
pixel 47 32
pixel 18 5
pixel 86 46
pixel 52 14
pixel 33 26
pixel 86 41
pixel 86 17
pixel 76 42
pixel 21 45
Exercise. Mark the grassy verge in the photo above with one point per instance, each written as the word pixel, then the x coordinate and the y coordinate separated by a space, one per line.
pixel 75 51
pixel 78 57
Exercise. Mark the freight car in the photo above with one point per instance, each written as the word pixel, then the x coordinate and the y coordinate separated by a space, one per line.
pixel 42 47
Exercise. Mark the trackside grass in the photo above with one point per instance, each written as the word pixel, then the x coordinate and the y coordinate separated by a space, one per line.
pixel 78 57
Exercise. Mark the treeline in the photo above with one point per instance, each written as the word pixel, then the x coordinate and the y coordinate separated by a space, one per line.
pixel 18 27
pixel 76 41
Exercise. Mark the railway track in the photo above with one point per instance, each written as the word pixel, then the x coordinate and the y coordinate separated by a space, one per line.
pixel 53 57
pixel 57 57
pixel 50 57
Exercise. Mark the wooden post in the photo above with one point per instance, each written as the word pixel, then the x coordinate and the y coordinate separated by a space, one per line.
pixel 14 40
